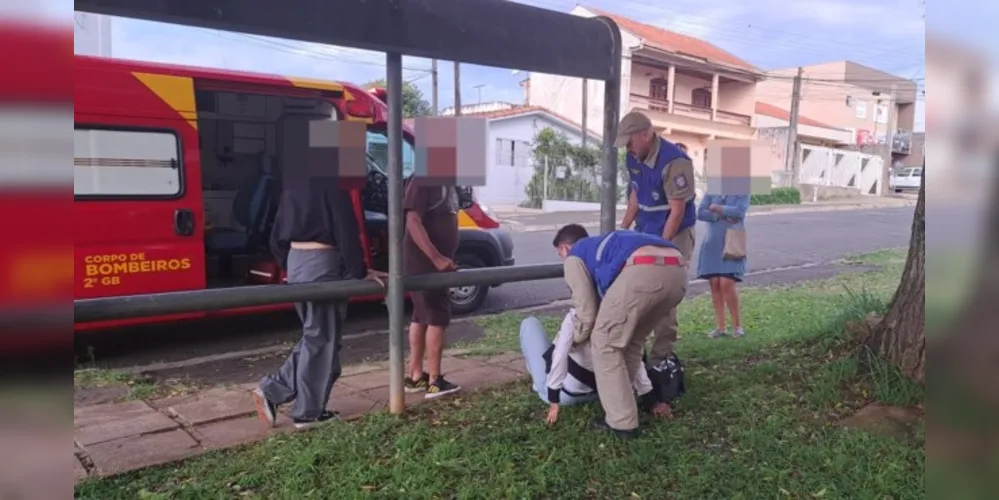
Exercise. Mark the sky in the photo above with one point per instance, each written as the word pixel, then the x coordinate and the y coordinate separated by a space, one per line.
pixel 771 34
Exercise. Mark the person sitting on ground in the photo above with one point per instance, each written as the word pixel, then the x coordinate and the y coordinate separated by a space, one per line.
pixel 562 373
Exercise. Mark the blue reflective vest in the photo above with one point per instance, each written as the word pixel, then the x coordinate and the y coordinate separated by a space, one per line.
pixel 653 207
pixel 605 255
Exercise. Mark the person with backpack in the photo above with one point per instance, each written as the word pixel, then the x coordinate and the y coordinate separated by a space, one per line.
pixel 621 282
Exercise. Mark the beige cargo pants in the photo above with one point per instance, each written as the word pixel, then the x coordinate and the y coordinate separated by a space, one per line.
pixel 629 311
pixel 666 333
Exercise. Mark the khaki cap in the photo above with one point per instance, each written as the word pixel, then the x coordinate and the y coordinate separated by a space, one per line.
pixel 632 122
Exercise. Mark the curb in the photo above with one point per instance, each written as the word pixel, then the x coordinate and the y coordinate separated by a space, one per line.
pixel 519 227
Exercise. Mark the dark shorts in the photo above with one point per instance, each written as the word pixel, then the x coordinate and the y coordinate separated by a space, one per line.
pixel 432 307
pixel 721 275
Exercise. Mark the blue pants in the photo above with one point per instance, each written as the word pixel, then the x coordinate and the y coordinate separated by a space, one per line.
pixel 533 343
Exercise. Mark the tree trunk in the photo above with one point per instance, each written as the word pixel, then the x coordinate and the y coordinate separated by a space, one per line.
pixel 900 337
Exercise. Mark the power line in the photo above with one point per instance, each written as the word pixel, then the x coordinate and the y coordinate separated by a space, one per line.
pixel 302 50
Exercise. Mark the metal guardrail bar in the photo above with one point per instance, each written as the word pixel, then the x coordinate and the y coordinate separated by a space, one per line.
pixel 133 306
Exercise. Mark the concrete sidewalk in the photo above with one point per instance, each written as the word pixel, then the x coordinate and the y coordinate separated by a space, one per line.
pixel 527 220
pixel 114 438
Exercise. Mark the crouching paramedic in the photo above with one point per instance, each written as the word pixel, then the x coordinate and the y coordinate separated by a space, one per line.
pixel 621 282
pixel 562 372
pixel 661 202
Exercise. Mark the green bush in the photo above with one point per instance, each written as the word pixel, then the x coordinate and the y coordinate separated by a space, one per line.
pixel 777 196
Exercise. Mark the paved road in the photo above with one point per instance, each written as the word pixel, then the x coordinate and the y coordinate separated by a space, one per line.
pixel 779 240
pixel 775 241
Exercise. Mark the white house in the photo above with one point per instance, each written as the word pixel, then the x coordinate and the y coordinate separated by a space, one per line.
pixel 510 156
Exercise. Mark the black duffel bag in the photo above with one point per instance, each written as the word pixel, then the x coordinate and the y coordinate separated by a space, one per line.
pixel 667 380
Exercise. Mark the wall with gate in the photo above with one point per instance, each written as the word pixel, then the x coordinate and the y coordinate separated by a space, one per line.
pixel 840 168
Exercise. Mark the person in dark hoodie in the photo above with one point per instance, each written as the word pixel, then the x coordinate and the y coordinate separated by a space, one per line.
pixel 315 238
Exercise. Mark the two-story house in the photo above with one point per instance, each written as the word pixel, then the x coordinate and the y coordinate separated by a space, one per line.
pixel 877 108
pixel 692 90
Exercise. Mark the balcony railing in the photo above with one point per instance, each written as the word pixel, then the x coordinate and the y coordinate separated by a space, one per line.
pixel 690 110
pixel 682 108
pixel 734 118
pixel 901 142
pixel 651 103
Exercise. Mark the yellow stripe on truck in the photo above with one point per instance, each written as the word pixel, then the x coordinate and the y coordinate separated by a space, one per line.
pixel 176 91
pixel 466 222
pixel 310 83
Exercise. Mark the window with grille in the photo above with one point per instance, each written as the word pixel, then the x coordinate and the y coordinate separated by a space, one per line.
pixel 700 98
pixel 513 153
pixel 659 89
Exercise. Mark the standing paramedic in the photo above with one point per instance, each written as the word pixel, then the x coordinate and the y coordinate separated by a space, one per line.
pixel 620 284
pixel 429 247
pixel 315 238
pixel 661 202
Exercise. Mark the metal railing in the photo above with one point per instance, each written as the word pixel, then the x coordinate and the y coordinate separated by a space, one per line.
pixel 133 306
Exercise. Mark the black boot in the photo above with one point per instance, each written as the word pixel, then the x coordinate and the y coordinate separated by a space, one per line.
pixel 600 424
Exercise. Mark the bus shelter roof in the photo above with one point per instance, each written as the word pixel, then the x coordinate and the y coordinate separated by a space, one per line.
pixel 487 32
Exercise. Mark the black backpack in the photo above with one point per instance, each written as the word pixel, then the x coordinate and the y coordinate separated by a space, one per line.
pixel 667 380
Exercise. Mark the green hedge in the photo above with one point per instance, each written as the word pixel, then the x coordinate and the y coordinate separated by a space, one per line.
pixel 777 196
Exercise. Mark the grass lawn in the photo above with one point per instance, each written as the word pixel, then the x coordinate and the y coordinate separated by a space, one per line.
pixel 760 420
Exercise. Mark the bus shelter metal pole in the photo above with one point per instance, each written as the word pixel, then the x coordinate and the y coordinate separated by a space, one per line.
pixel 397 400
pixel 612 113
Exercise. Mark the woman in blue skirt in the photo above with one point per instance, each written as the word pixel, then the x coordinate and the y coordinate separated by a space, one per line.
pixel 722 213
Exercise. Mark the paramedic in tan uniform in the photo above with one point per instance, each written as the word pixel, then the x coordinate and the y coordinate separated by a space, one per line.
pixel 661 202
pixel 620 283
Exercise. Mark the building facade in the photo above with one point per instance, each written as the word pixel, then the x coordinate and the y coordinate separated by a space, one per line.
pixel 692 91
pixel 877 108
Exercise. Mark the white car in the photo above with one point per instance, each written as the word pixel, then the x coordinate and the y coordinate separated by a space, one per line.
pixel 906 179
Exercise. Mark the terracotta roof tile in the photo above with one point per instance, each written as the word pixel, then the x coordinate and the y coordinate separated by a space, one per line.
pixel 675 42
pixel 770 110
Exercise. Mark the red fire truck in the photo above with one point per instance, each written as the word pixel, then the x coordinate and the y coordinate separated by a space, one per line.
pixel 177 173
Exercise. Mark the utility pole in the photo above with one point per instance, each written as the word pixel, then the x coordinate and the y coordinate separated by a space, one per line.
pixel 478 89
pixel 457 89
pixel 586 131
pixel 890 130
pixel 792 131
pixel 433 80
pixel 544 188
